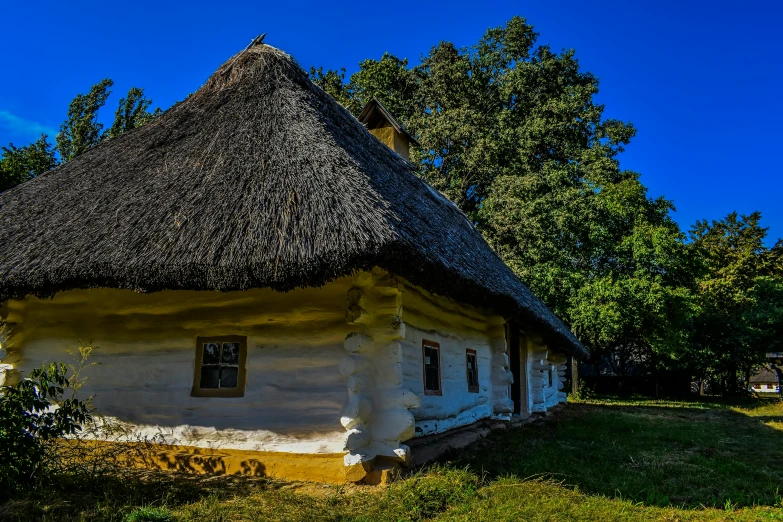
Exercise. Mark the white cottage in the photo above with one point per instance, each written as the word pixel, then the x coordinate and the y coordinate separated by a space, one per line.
pixel 269 288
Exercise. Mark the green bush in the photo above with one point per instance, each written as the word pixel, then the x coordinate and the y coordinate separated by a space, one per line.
pixel 33 412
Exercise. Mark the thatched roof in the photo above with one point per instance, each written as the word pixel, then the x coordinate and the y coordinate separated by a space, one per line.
pixel 259 179
pixel 765 375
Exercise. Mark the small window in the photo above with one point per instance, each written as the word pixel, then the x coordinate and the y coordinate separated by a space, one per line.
pixel 550 378
pixel 220 366
pixel 431 353
pixel 471 363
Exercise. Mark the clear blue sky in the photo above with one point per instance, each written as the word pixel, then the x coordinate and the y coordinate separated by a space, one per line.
pixel 701 81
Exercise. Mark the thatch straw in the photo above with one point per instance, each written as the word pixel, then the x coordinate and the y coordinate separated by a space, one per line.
pixel 259 179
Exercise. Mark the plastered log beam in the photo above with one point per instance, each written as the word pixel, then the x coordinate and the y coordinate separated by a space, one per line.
pixel 502 377
pixel 542 365
pixel 558 358
pixel 376 416
pixel 542 361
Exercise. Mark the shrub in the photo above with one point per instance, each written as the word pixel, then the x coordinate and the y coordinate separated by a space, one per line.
pixel 33 412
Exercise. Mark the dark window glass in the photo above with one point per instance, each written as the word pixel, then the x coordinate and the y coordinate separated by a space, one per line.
pixel 230 354
pixel 472 367
pixel 550 378
pixel 210 376
pixel 228 376
pixel 431 368
pixel 211 353
pixel 220 365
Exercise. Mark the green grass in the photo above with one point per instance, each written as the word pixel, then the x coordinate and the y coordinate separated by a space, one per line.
pixel 607 459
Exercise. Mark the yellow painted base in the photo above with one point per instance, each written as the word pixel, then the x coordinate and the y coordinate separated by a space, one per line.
pixel 313 467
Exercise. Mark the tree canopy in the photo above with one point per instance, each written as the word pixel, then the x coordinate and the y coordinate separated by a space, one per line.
pixel 510 131
pixel 739 300
pixel 133 112
pixel 80 132
pixel 19 164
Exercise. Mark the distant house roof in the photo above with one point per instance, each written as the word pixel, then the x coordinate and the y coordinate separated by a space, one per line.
pixel 258 179
pixel 374 113
pixel 765 376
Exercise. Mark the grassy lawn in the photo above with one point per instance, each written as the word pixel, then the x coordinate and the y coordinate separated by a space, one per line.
pixel 593 460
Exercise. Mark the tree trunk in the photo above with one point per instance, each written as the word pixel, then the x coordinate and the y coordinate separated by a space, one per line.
pixel 574 376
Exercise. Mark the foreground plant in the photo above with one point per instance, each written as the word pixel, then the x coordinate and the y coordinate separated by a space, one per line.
pixel 32 413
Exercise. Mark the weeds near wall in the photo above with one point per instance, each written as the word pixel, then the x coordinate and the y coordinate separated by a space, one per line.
pixel 33 412
pixel 48 434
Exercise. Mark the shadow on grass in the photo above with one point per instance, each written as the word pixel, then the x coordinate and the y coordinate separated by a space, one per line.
pixel 689 456
pixel 685 454
pixel 110 497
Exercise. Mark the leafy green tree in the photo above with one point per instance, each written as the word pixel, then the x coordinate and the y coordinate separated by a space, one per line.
pixel 387 79
pixel 510 132
pixel 33 412
pixel 333 83
pixel 133 112
pixel 740 300
pixel 19 164
pixel 81 130
pixel 78 133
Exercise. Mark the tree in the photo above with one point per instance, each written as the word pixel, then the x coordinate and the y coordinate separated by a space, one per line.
pixel 511 133
pixel 333 83
pixel 81 130
pixel 740 300
pixel 19 164
pixel 132 113
pixel 78 133
pixel 387 79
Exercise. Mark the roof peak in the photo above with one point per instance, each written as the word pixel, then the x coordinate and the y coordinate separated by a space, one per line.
pixel 253 59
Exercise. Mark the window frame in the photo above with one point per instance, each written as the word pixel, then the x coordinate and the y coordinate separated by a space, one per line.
pixel 430 344
pixel 239 391
pixel 468 353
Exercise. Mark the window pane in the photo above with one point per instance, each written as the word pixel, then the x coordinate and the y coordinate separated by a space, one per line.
pixel 431 379
pixel 210 376
pixel 430 357
pixel 211 354
pixel 230 353
pixel 228 376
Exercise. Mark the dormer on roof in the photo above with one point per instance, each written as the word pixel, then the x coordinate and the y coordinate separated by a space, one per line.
pixel 384 126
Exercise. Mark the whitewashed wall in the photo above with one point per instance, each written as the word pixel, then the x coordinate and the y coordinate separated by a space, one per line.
pixel 456 406
pixel 329 370
pixel 542 362
pixel 144 361
pixel 456 328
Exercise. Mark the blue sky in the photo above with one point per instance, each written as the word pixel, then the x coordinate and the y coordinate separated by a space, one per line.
pixel 701 81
